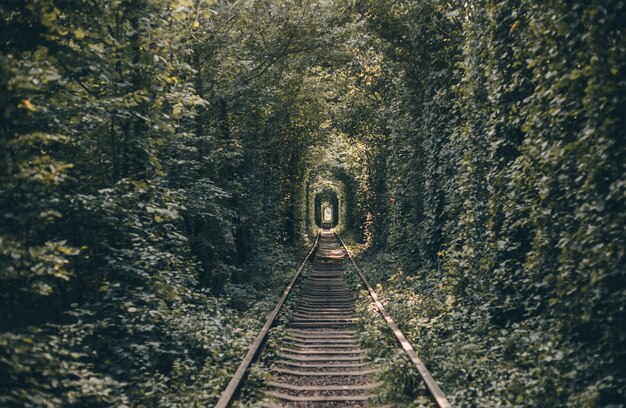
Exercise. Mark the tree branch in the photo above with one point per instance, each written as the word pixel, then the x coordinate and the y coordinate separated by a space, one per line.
pixel 70 75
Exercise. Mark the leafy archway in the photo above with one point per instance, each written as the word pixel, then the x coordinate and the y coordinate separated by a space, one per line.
pixel 327 204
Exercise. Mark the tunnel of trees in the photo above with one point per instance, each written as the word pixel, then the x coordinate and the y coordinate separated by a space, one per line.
pixel 326 209
pixel 164 162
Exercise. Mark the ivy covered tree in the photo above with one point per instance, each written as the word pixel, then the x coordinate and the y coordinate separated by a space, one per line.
pixel 506 161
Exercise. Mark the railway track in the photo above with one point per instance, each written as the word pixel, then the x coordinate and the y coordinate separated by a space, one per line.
pixel 319 362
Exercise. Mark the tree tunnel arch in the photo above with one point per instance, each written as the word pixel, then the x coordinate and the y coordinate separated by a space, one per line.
pixel 326 192
pixel 326 208
pixel 334 169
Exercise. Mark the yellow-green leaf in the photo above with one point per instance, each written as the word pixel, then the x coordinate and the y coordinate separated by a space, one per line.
pixel 26 104
pixel 79 33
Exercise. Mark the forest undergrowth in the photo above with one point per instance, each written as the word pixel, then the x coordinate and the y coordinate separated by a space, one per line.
pixel 475 362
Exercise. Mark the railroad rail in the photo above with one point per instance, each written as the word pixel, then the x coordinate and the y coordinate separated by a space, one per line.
pixel 320 363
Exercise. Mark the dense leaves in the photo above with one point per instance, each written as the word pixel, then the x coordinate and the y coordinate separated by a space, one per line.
pixel 159 159
pixel 506 162
pixel 145 145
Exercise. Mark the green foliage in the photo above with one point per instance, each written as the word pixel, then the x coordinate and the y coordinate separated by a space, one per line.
pixel 144 147
pixel 159 158
pixel 506 161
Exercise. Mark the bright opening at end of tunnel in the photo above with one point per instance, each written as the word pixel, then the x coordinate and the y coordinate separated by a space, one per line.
pixel 328 214
pixel 327 208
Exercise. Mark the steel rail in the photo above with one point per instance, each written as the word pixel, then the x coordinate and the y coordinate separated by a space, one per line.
pixel 431 385
pixel 235 382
